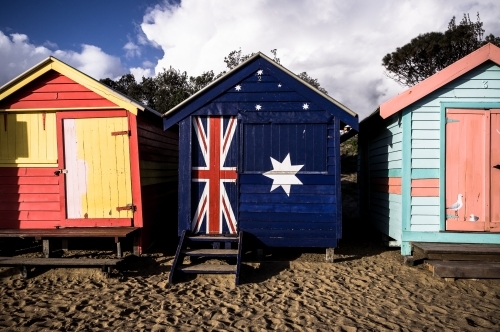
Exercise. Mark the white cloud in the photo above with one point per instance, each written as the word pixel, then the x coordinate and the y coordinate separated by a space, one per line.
pixel 132 50
pixel 341 43
pixel 139 72
pixel 17 55
pixel 93 62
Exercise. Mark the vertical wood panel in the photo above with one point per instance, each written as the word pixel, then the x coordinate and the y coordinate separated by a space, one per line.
pixel 465 165
pixel 494 166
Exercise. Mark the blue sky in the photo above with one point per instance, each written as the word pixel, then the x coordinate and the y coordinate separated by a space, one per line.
pixel 341 43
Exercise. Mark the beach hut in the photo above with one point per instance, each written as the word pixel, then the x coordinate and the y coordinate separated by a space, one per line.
pixel 429 157
pixel 78 159
pixel 259 154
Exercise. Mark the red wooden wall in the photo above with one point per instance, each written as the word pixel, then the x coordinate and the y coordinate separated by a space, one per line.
pixel 54 90
pixel 29 198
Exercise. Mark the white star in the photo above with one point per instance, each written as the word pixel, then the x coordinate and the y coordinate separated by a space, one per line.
pixel 258 107
pixel 279 85
pixel 305 106
pixel 283 174
pixel 238 87
pixel 259 72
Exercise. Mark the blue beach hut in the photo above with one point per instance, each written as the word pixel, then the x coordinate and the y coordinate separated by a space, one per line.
pixel 259 154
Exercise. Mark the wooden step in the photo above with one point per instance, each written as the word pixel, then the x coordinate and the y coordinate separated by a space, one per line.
pixel 213 238
pixel 464 269
pixel 59 262
pixel 456 251
pixel 208 269
pixel 211 252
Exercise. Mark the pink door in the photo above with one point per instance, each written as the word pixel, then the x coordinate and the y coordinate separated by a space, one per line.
pixel 472 166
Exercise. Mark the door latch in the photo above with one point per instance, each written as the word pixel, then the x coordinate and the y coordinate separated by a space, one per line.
pixel 127 207
pixel 61 171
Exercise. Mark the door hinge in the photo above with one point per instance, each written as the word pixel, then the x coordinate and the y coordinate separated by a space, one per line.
pixel 448 120
pixel 126 208
pixel 117 133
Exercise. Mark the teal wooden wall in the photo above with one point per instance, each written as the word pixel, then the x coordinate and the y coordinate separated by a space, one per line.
pixel 380 156
pixel 479 85
pixel 383 152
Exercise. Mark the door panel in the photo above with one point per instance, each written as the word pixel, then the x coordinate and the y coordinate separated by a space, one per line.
pixel 214 189
pixel 98 179
pixel 495 171
pixel 466 170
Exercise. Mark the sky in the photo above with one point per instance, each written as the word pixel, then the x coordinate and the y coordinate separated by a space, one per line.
pixel 341 43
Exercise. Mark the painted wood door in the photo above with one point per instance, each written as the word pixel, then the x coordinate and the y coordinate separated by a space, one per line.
pixel 97 171
pixel 472 170
pixel 494 167
pixel 214 173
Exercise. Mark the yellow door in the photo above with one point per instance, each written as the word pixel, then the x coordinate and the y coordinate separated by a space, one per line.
pixel 97 168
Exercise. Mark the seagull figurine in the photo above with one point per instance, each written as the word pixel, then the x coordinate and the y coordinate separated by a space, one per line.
pixel 473 217
pixel 457 205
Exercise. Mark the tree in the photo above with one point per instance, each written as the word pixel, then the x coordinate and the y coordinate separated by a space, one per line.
pixel 234 58
pixel 430 52
pixel 313 81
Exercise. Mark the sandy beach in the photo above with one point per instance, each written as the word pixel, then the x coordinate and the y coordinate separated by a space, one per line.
pixel 367 288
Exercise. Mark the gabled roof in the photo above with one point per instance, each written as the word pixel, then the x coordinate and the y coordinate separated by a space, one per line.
pixel 52 63
pixel 228 80
pixel 434 82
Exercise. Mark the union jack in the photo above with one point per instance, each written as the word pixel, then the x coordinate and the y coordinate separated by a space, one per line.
pixel 214 203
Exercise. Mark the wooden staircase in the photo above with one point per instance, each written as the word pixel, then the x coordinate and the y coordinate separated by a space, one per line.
pixel 199 248
pixel 455 260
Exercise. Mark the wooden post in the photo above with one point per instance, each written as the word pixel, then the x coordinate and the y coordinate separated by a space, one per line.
pixel 46 248
pixel 135 246
pixel 118 248
pixel 64 245
pixel 259 253
pixel 330 256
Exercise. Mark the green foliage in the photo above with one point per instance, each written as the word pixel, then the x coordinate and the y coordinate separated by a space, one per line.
pixel 349 155
pixel 313 81
pixel 430 52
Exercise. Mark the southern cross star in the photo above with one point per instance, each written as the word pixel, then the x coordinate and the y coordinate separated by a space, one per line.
pixel 258 107
pixel 283 174
pixel 238 87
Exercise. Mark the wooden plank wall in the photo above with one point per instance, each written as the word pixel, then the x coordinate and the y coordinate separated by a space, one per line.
pixel 480 84
pixel 28 138
pixel 54 90
pixel 29 198
pixel 380 182
pixel 286 123
pixel 158 162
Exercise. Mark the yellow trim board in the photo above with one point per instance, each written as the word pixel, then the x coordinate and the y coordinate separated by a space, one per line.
pixel 23 82
pixel 52 63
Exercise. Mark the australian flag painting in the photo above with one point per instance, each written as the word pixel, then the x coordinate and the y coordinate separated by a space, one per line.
pixel 214 175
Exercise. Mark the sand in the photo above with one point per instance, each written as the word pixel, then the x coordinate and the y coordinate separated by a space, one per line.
pixel 367 288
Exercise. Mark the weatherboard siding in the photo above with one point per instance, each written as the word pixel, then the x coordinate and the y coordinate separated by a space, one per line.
pixel 480 84
pixel 277 116
pixel 158 167
pixel 384 154
pixel 54 90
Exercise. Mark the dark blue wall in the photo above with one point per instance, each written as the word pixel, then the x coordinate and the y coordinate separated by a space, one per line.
pixel 275 120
